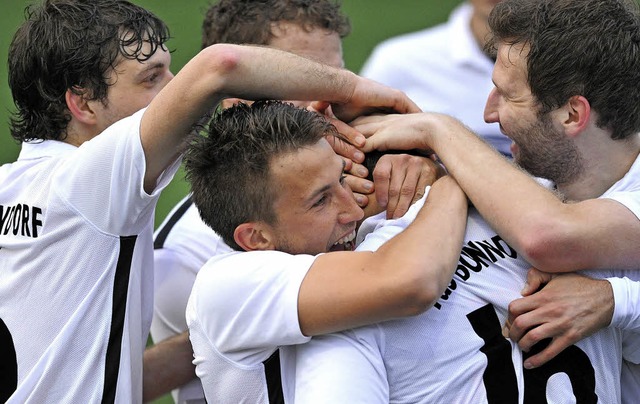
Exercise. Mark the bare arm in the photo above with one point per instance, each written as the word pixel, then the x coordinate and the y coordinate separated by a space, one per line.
pixel 167 365
pixel 552 235
pixel 247 72
pixel 404 277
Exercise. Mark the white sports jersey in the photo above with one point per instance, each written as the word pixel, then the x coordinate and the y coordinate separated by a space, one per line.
pixel 76 280
pixel 455 352
pixel 243 306
pixel 182 245
pixel 442 69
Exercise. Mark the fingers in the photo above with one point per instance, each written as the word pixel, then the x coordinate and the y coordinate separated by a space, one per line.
pixel 352 135
pixel 345 149
pixel 556 346
pixel 361 188
pixel 535 280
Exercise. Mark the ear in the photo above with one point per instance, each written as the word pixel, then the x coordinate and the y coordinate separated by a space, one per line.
pixel 254 236
pixel 79 108
pixel 578 112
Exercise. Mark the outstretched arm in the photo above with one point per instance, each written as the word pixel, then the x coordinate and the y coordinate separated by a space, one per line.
pixel 247 72
pixel 552 235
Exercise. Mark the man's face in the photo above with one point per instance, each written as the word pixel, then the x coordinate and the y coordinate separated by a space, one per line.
pixel 539 143
pixel 133 85
pixel 314 207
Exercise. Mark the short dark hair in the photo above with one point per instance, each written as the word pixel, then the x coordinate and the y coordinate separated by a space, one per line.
pixel 72 44
pixel 250 21
pixel 228 164
pixel 578 47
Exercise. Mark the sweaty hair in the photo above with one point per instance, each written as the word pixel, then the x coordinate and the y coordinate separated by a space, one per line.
pixel 228 165
pixel 73 44
pixel 251 21
pixel 578 47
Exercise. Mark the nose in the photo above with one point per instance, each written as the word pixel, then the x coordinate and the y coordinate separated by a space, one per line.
pixel 350 211
pixel 491 107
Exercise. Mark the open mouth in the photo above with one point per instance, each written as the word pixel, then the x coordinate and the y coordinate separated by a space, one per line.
pixel 346 243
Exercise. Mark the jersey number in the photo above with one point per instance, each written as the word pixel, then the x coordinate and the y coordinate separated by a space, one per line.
pixel 8 364
pixel 500 376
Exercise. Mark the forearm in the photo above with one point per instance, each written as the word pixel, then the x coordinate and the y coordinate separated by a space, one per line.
pixel 552 235
pixel 167 365
pixel 427 251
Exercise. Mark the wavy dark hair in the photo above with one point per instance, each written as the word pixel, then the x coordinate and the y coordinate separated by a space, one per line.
pixel 578 47
pixel 228 165
pixel 250 21
pixel 73 44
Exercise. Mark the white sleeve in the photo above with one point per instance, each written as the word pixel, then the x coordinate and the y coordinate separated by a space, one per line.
pixel 103 180
pixel 626 312
pixel 247 301
pixel 344 367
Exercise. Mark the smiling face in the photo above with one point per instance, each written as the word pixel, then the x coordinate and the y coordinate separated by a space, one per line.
pixel 314 206
pixel 539 144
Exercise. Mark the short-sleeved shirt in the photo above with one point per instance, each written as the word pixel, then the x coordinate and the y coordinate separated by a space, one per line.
pixel 242 308
pixel 76 280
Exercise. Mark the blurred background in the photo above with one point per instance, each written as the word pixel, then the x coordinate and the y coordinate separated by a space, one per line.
pixel 371 20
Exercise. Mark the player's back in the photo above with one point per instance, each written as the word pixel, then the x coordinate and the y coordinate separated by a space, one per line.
pixel 455 352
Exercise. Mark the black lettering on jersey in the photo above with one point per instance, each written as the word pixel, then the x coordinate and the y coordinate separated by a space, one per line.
pixel 499 376
pixel 573 362
pixel 20 220
pixel 476 256
pixel 8 364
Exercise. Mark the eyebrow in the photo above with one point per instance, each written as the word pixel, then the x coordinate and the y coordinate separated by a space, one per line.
pixel 147 69
pixel 326 187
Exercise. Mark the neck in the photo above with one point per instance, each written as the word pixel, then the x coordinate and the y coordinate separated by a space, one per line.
pixel 604 165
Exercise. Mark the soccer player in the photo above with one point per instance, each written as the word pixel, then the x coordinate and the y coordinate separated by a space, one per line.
pixel 183 242
pixel 565 94
pixel 278 287
pixel 101 119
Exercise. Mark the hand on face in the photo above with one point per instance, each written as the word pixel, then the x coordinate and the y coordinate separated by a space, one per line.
pixel 568 308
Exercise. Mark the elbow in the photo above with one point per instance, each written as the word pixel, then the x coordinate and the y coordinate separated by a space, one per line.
pixel 419 295
pixel 222 59
pixel 549 251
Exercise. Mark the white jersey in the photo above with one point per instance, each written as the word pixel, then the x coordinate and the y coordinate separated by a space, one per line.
pixel 442 69
pixel 182 245
pixel 243 307
pixel 76 280
pixel 455 352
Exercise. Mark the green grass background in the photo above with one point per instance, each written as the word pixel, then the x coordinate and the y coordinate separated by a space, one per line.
pixel 371 20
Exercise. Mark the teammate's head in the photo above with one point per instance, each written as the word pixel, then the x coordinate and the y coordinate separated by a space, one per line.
pixel 577 47
pixel 264 177
pixel 259 22
pixel 310 28
pixel 74 52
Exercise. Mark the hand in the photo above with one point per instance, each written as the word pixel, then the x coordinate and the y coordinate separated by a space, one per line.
pixel 352 139
pixel 401 179
pixel 567 309
pixel 370 97
pixel 394 132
